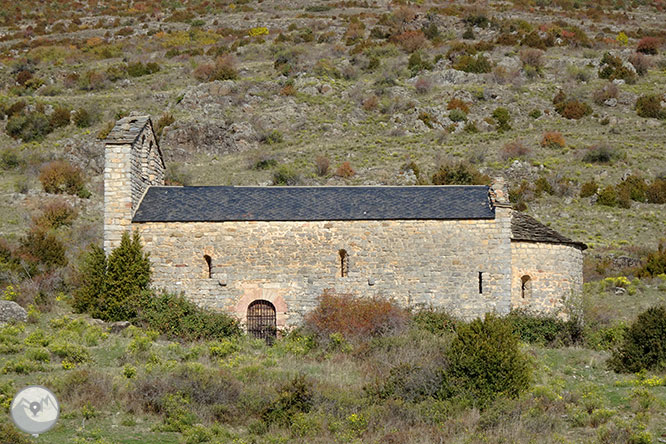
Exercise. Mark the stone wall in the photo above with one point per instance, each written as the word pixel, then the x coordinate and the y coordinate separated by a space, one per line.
pixel 129 168
pixel 555 273
pixel 428 263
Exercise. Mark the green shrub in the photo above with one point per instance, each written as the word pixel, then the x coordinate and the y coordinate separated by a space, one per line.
pixel 437 322
pixel 635 186
pixel 650 106
pixel 475 64
pixel 28 127
pixel 9 159
pixel 608 196
pixel 82 118
pixel 457 115
pixel 544 330
pixel 138 69
pixel 502 117
pixel 69 351
pixel 655 263
pixel 176 317
pixel 417 62
pixel 601 154
pixel 485 361
pixel 461 173
pixel 656 192
pixel 644 345
pixel 60 117
pixel 612 68
pixel 9 434
pixel 354 317
pixel 294 397
pixel 589 189
pixel 286 175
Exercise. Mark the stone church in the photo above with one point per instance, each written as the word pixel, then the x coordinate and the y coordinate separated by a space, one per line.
pixel 265 254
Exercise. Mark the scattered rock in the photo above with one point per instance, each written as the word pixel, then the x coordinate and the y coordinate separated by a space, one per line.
pixel 184 138
pixel 118 326
pixel 620 291
pixel 611 102
pixel 11 311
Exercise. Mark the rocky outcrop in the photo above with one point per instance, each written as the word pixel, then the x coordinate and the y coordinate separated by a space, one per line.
pixel 11 311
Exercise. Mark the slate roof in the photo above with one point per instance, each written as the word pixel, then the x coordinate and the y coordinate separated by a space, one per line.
pixel 223 203
pixel 527 228
pixel 127 129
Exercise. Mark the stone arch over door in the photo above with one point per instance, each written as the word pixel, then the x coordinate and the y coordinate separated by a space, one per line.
pixel 272 295
pixel 261 320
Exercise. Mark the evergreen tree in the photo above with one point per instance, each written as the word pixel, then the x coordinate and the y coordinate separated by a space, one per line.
pixel 127 275
pixel 92 274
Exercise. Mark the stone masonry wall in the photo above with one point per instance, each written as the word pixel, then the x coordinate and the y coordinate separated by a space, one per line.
pixel 128 171
pixel 555 271
pixel 290 264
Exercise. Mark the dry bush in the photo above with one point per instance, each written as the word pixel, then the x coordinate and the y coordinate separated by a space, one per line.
pixel 640 62
pixel 345 170
pixel 552 139
pixel 573 109
pixel 648 45
pixel 60 117
pixel 203 72
pixel 370 103
pixel 606 92
pixel 458 104
pixel 39 247
pixel 55 215
pixel 85 387
pixel 60 176
pixel 410 41
pixel 423 85
pixel 514 150
pixel 288 90
pixel 322 165
pixel 532 57
pixel 355 317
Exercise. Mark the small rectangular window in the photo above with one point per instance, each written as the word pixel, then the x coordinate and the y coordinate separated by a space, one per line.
pixel 480 282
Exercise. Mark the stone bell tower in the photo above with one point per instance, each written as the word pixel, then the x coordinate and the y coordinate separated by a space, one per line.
pixel 133 162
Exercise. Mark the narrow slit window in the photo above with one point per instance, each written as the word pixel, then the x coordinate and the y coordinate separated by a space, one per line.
pixel 344 263
pixel 525 286
pixel 209 263
pixel 480 282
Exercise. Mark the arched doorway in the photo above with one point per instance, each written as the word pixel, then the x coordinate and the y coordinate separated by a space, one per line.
pixel 261 321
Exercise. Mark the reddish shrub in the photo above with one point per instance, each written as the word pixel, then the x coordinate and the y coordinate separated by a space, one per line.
pixel 288 90
pixel 532 57
pixel 515 149
pixel 355 317
pixel 422 85
pixel 203 72
pixel 23 76
pixel 410 41
pixel 608 91
pixel 648 45
pixel 345 170
pixel 458 104
pixel 552 139
pixel 55 214
pixel 370 103
pixel 573 109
